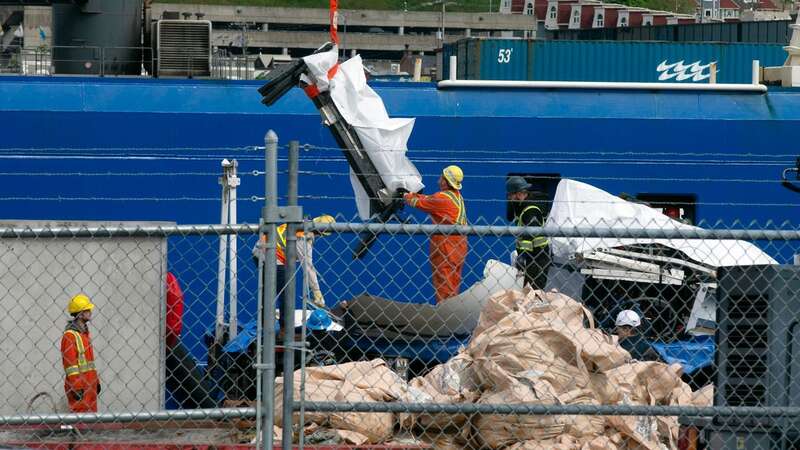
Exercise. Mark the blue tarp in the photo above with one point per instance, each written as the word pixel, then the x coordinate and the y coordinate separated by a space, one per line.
pixel 692 355
pixel 246 336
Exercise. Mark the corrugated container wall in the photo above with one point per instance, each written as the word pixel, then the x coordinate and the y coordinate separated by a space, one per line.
pixel 489 59
pixel 512 59
pixel 773 31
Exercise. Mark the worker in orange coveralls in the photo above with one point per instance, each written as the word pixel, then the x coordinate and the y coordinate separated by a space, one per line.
pixel 447 251
pixel 81 383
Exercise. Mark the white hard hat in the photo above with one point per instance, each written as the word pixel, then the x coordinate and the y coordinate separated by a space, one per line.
pixel 629 318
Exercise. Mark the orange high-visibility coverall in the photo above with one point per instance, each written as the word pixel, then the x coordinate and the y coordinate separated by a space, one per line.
pixel 447 251
pixel 81 382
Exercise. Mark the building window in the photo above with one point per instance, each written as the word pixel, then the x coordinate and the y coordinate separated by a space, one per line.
pixel 506 4
pixel 576 17
pixel 623 22
pixel 553 12
pixel 529 9
pixel 599 20
pixel 647 22
pixel 708 13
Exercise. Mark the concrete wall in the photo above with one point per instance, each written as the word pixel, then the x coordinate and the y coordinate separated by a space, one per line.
pixel 124 277
pixel 312 40
pixel 38 26
pixel 376 18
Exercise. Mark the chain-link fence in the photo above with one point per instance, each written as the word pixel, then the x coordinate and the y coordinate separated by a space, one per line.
pixel 636 336
pixel 150 365
pixel 603 323
pixel 651 344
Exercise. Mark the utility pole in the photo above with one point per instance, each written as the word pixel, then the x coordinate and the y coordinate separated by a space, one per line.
pixel 443 12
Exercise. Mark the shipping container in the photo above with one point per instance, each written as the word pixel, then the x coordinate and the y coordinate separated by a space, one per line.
pixel 517 59
pixel 489 59
pixel 763 32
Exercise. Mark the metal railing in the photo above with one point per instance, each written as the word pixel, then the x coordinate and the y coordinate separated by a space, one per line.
pixel 118 61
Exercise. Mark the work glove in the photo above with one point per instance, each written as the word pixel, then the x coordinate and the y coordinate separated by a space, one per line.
pixel 319 300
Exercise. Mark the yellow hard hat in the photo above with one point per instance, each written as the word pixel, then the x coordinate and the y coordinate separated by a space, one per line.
pixel 454 176
pixel 80 303
pixel 325 218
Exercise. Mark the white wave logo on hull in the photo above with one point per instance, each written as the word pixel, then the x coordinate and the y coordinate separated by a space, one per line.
pixel 682 72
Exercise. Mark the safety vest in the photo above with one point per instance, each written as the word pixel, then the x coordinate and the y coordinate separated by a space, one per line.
pixel 83 365
pixel 525 243
pixel 461 218
pixel 280 243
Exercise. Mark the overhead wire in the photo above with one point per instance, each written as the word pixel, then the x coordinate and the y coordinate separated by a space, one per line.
pixel 572 177
pixel 560 152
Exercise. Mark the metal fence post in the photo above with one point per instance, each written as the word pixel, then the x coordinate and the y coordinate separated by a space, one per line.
pixel 289 302
pixel 268 309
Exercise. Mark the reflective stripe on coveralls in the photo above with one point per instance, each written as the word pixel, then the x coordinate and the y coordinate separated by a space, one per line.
pixel 524 244
pixel 83 365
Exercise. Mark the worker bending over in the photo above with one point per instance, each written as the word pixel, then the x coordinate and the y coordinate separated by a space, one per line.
pixel 80 382
pixel 447 251
pixel 627 327
pixel 533 252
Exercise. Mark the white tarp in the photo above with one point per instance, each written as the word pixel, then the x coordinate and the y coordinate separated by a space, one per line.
pixel 578 204
pixel 382 137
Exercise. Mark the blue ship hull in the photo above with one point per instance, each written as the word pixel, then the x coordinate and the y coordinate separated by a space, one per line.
pixel 698 143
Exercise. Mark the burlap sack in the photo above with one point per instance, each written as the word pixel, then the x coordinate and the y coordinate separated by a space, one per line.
pixel 582 426
pixel 440 441
pixel 528 342
pixel 546 353
pixel 376 426
pixel 703 396
pixel 498 431
pixel 316 391
pixel 571 312
pixel 660 380
pixel 600 351
pixel 668 431
pixel 605 391
pixel 374 376
pixel 370 381
pixel 681 395
pixel 600 443
pixel 645 383
pixel 451 382
pixel 636 431
pixel 315 434
pixel 563 442
pixel 496 308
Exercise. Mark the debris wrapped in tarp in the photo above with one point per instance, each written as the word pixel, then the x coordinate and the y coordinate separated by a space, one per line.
pixel 384 138
pixel 529 347
pixel 578 204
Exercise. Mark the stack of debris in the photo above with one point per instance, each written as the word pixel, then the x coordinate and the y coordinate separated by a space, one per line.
pixel 530 347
